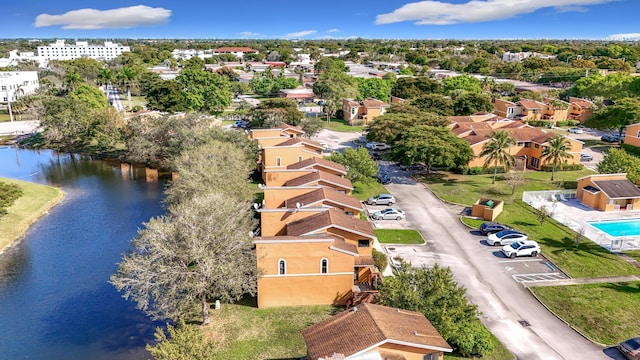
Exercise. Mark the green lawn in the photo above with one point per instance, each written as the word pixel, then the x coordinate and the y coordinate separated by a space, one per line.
pixel 363 191
pixel 341 125
pixel 246 332
pixel 588 260
pixel 607 313
pixel 35 201
pixel 135 100
pixel 388 236
pixel 471 222
pixel 4 117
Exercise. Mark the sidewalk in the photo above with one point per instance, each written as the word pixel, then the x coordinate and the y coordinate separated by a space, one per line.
pixel 580 281
pixel 19 127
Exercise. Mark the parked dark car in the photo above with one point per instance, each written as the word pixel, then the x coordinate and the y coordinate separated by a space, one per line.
pixel 610 138
pixel 492 227
pixel 630 348
pixel 383 178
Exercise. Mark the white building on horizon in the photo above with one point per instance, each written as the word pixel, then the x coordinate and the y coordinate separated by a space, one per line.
pixel 16 84
pixel 61 51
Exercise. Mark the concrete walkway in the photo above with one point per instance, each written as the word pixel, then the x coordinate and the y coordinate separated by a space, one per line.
pixel 19 127
pixel 580 281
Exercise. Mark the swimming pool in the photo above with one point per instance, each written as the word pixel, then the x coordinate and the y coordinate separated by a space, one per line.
pixel 617 227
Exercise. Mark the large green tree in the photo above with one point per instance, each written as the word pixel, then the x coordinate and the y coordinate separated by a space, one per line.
pixel 461 82
pixel 624 112
pixel 375 88
pixel 205 91
pixel 619 161
pixel 433 146
pixel 389 127
pixel 434 293
pixel 200 251
pixel 361 167
pixel 496 151
pixel 273 112
pixel 409 87
pixel 166 95
pixel 333 86
pixel 556 152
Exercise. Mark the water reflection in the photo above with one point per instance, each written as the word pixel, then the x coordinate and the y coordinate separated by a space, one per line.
pixel 53 284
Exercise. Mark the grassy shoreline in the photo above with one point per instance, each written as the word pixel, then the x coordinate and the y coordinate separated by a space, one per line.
pixel 35 202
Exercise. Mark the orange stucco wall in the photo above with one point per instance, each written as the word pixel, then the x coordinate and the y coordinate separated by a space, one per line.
pixel 501 107
pixel 275 197
pixel 599 200
pixel 288 155
pixel 406 352
pixel 303 283
pixel 264 133
pixel 279 177
pixel 632 136
pixel 575 148
pixel 274 222
pixel 353 239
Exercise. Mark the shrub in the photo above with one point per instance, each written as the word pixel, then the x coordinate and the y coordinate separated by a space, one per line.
pixel 631 149
pixel 356 122
pixel 568 123
pixel 565 167
pixel 9 193
pixel 379 259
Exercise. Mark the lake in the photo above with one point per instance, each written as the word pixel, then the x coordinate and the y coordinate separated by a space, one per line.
pixel 55 299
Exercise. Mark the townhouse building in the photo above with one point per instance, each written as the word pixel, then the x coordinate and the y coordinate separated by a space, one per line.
pixel 363 111
pixel 16 84
pixel 313 247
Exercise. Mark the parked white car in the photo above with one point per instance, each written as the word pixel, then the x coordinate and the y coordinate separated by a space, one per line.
pixel 377 146
pixel 521 248
pixel 505 237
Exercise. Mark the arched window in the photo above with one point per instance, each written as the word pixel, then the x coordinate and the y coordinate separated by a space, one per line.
pixel 278 161
pixel 299 158
pixel 324 266
pixel 282 267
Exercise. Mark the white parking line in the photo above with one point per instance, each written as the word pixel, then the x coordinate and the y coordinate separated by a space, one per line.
pixel 522 260
pixel 538 277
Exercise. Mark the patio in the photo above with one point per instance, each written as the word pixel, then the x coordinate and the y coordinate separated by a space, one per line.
pixel 573 214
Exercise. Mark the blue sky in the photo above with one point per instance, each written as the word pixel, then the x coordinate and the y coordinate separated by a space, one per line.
pixel 286 19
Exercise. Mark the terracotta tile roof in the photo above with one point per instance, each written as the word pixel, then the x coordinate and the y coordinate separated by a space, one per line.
pixel 324 195
pixel 328 219
pixel 371 103
pixel 295 141
pixel 459 119
pixel 315 161
pixel 367 325
pixel 466 127
pixel 521 134
pixel 290 127
pixel 617 189
pixel 352 102
pixel 530 104
pixel 363 260
pixel 583 103
pixel 235 49
pixel 285 238
pixel 340 244
pixel 318 176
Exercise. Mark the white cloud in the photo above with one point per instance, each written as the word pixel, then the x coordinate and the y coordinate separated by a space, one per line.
pixel 629 36
pixel 249 33
pixel 334 30
pixel 443 13
pixel 299 34
pixel 121 18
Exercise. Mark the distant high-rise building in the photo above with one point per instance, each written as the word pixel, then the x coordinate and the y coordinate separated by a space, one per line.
pixel 61 51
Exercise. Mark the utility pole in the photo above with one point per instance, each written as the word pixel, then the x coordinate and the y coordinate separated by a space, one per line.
pixel 9 105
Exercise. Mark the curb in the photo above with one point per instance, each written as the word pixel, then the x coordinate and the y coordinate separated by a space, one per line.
pixel 566 323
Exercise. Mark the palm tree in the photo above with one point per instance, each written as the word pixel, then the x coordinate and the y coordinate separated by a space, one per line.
pixel 497 151
pixel 557 152
pixel 105 76
pixel 127 77
pixel 72 79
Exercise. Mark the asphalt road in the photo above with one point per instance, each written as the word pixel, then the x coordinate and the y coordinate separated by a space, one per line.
pixel 510 312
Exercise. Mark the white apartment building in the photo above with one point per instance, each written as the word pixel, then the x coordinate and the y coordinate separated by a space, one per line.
pixel 16 84
pixel 61 51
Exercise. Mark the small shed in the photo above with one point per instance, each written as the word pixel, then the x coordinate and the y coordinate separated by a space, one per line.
pixel 487 209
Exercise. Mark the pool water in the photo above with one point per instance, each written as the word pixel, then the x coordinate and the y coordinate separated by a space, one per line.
pixel 627 227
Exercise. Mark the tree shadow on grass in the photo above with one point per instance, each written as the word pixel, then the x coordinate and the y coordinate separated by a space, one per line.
pixel 624 287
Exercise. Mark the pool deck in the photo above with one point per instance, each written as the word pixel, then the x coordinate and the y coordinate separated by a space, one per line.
pixel 573 214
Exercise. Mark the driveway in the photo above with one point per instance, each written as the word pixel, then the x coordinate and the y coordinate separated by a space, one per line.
pixel 336 139
pixel 510 312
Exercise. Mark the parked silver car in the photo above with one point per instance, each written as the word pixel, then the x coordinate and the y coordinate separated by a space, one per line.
pixel 388 214
pixel 382 199
pixel 630 348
